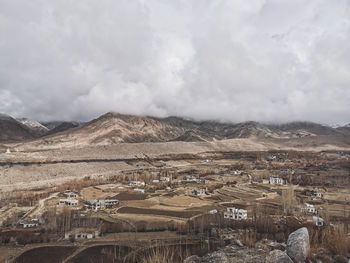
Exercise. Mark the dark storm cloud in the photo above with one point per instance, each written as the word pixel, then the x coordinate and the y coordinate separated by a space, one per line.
pixel 264 60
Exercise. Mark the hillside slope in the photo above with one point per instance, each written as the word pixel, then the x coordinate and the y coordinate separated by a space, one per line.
pixel 61 127
pixel 12 130
pixel 113 128
pixel 36 128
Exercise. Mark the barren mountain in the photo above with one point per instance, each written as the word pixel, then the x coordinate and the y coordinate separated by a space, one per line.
pixel 52 124
pixel 344 129
pixel 112 128
pixel 61 127
pixel 115 128
pixel 303 129
pixel 13 130
pixel 36 128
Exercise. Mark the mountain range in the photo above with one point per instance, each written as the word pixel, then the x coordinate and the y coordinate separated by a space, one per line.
pixel 112 128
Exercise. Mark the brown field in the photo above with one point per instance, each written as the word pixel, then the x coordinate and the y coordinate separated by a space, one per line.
pixel 179 214
pixel 126 196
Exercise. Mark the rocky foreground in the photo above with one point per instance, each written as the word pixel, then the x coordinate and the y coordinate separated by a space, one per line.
pixel 297 251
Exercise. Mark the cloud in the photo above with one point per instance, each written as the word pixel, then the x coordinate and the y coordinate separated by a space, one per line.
pixel 263 60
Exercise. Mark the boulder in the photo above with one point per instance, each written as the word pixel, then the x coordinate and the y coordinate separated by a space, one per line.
pixel 218 256
pixel 298 246
pixel 231 254
pixel 238 243
pixel 278 256
pixel 276 245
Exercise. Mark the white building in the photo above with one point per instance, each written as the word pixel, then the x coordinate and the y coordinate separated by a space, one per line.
pixel 309 208
pixel 318 221
pixel 235 214
pixel 271 157
pixel 68 202
pixel 189 179
pixel 213 212
pixel 164 179
pixel 136 183
pixel 276 180
pixel 102 204
pixel 139 190
pixel 70 195
pixel 28 225
pixel 265 181
pixel 201 181
pixel 318 194
pixel 81 234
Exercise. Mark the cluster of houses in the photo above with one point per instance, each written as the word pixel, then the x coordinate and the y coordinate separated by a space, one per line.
pixel 314 194
pixel 311 209
pixel 71 200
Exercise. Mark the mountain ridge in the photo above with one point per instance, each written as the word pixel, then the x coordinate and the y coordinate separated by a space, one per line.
pixel 112 127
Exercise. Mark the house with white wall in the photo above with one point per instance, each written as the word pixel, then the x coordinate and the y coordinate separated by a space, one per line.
pixel 309 208
pixel 318 221
pixel 276 180
pixel 235 214
pixel 136 183
pixel 102 204
pixel 80 233
pixel 68 202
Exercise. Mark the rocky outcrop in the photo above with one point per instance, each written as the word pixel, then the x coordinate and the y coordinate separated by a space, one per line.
pixel 298 246
pixel 278 256
pixel 217 256
pixel 231 254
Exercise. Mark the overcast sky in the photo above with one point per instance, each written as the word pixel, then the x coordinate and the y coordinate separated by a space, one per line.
pixel 235 60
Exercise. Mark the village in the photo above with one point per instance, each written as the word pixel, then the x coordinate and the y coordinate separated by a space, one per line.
pixel 215 197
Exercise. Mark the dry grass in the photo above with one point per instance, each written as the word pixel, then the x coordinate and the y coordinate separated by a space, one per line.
pixel 334 240
pixel 164 255
pixel 249 238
